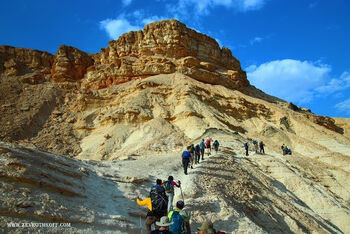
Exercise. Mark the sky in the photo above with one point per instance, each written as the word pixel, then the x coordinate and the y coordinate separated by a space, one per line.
pixel 297 50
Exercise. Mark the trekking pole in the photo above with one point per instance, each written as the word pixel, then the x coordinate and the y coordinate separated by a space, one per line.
pixel 140 225
pixel 182 195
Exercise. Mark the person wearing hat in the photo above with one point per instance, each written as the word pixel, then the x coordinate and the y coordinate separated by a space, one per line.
pixel 208 228
pixel 163 224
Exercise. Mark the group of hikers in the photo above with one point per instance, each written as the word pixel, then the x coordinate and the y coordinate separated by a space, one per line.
pixel 257 145
pixel 166 218
pixel 193 154
pixel 259 148
pixel 286 150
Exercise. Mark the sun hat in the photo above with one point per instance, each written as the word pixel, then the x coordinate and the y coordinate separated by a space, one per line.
pixel 206 226
pixel 164 222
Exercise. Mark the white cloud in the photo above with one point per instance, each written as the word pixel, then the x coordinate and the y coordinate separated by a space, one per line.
pixel 248 5
pixel 127 22
pixel 126 2
pixel 255 40
pixel 184 8
pixel 335 85
pixel 289 79
pixel 116 27
pixel 344 106
pixel 152 19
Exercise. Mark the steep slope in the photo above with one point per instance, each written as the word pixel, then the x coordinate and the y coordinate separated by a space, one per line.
pixel 136 105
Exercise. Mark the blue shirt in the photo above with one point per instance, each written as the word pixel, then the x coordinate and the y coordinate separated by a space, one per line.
pixel 186 154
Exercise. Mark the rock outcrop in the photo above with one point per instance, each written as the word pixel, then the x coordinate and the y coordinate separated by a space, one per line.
pixel 161 48
pixel 32 65
pixel 70 64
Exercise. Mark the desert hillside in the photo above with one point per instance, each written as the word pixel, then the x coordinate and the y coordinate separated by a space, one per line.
pixel 83 134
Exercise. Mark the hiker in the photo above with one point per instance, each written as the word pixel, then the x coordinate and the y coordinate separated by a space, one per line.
pixel 197 153
pixel 191 150
pixel 202 145
pixel 255 143
pixel 169 190
pixel 153 215
pixel 163 224
pixel 180 219
pixel 207 227
pixel 186 157
pixel 208 144
pixel 157 185
pixel 287 151
pixel 246 148
pixel 282 148
pixel 216 146
pixel 261 145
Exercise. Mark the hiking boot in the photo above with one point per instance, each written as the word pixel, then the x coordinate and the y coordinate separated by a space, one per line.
pixel 191 167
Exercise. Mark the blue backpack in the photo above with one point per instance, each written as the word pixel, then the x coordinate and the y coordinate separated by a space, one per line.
pixel 178 223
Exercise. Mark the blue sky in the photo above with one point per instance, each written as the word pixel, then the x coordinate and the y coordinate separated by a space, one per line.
pixel 297 50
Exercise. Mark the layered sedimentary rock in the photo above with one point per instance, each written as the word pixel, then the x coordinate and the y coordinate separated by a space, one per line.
pixel 32 65
pixel 161 48
pixel 70 64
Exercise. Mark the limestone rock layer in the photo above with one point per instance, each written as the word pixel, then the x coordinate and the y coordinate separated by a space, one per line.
pixel 162 47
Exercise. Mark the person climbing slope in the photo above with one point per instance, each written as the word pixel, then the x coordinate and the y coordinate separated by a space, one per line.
pixel 163 225
pixel 207 227
pixel 157 204
pixel 202 146
pixel 255 143
pixel 157 185
pixel 180 219
pixel 216 146
pixel 246 148
pixel 261 145
pixel 170 191
pixel 197 153
pixel 191 150
pixel 208 144
pixel 186 157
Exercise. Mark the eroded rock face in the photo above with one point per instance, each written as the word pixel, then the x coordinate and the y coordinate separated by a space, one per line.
pixel 20 61
pixel 70 64
pixel 161 48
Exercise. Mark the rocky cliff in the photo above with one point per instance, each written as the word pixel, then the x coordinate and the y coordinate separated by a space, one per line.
pixel 162 47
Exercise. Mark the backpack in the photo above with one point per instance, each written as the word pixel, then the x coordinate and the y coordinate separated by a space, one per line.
pixel 168 187
pixel 245 145
pixel 159 200
pixel 178 226
pixel 207 143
